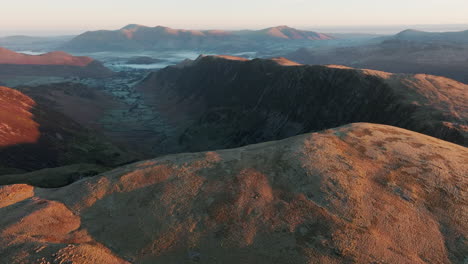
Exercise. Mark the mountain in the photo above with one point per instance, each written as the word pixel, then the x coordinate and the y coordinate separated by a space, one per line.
pixel 422 36
pixel 37 133
pixel 138 37
pixel 33 43
pixel 55 63
pixel 410 51
pixel 218 102
pixel 362 193
pixel 285 33
pixel 52 58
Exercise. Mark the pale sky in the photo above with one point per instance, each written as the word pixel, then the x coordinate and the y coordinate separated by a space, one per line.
pixel 80 15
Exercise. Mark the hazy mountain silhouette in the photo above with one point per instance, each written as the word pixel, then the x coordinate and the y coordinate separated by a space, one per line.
pixel 33 43
pixel 423 36
pixel 138 37
pixel 410 51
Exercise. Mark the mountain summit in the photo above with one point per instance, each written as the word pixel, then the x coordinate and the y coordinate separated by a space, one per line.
pixel 285 32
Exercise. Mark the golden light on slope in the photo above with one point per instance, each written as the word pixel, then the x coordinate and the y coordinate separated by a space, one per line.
pixel 17 125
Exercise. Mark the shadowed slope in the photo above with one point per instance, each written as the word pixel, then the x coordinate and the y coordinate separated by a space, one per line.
pixel 52 58
pixel 138 37
pixel 34 135
pixel 216 102
pixel 362 193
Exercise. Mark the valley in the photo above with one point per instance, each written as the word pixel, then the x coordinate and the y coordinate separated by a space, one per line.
pixel 133 123
pixel 187 108
pixel 268 145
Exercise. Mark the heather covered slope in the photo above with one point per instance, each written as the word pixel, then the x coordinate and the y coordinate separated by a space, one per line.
pixel 220 102
pixel 55 63
pixel 362 193
pixel 34 134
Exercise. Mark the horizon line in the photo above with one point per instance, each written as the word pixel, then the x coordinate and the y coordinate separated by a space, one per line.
pixel 335 28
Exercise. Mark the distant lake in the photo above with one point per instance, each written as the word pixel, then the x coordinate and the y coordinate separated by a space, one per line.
pixel 30 52
pixel 139 66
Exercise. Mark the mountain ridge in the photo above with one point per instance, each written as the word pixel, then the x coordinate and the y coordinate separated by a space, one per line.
pixel 139 37
pixel 355 194
pixel 51 58
pixel 410 51
pixel 216 103
pixel 419 35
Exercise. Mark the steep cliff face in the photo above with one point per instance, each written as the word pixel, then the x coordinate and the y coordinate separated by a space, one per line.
pixel 217 102
pixel 362 193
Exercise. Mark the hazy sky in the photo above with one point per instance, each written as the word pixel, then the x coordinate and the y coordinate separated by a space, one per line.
pixel 79 15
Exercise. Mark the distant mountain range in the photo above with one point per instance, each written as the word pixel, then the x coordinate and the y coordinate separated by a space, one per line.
pixel 13 64
pixel 138 37
pixel 410 51
pixel 460 37
pixel 33 43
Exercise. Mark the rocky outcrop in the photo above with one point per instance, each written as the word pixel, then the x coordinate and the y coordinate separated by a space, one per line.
pixel 218 102
pixel 362 193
